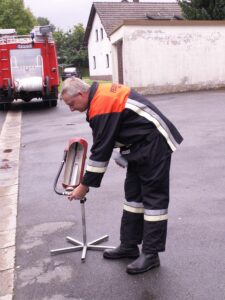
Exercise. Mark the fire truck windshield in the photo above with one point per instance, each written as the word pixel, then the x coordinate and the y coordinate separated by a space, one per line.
pixel 26 63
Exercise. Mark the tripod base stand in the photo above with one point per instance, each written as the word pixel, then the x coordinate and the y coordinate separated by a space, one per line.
pixel 84 246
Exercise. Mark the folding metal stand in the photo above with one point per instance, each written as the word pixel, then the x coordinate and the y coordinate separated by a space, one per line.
pixel 83 246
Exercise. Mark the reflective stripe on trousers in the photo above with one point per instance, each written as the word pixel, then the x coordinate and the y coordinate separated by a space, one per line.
pixel 149 214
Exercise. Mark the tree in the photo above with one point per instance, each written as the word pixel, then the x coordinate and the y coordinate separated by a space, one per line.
pixel 13 14
pixel 70 46
pixel 203 9
pixel 43 21
pixel 60 38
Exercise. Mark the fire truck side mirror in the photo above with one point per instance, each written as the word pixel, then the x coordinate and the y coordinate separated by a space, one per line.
pixel 75 162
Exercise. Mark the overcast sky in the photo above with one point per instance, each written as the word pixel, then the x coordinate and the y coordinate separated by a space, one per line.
pixel 65 14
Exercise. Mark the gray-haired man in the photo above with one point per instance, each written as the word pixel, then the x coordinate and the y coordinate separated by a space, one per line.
pixel 120 117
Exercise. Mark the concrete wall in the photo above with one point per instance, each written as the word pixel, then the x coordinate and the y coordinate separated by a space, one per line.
pixel 99 49
pixel 171 58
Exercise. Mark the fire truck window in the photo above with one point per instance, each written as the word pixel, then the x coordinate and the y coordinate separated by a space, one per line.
pixel 39 61
pixel 26 63
pixel 13 61
pixel 25 57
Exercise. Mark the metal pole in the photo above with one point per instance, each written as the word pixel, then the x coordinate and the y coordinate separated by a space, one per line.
pixel 79 245
pixel 83 221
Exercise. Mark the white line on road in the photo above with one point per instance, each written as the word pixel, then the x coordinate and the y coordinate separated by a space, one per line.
pixel 9 180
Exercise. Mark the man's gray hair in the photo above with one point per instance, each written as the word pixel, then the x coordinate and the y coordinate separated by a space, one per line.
pixel 73 86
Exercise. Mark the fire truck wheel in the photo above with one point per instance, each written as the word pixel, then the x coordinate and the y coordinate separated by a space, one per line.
pixel 4 106
pixel 9 89
pixel 53 103
pixel 47 86
pixel 50 103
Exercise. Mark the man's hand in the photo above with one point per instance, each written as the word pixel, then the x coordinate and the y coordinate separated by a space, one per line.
pixel 78 193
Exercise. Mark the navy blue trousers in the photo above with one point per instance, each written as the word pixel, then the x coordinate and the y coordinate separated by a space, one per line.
pixel 145 212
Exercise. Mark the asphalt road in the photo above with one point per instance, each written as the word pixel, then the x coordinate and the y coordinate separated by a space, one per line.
pixel 193 267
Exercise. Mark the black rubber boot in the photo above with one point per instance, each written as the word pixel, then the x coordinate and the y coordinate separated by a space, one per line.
pixel 143 263
pixel 122 251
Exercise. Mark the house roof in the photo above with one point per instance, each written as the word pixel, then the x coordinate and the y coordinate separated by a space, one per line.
pixel 112 14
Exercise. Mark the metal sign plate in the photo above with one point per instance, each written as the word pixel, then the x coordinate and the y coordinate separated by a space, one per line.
pixel 23 46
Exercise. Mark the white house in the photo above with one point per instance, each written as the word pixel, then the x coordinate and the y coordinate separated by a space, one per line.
pixel 99 51
pixel 105 17
pixel 149 47
pixel 169 56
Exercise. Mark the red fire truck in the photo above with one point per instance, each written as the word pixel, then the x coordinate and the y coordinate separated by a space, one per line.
pixel 28 66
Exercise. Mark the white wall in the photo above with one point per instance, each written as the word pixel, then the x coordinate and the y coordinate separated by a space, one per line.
pixel 99 49
pixel 117 36
pixel 160 59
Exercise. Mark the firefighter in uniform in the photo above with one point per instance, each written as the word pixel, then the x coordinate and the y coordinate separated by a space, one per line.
pixel 121 117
